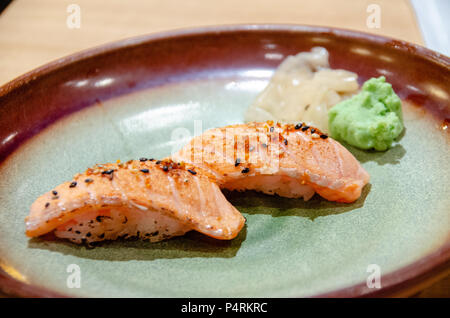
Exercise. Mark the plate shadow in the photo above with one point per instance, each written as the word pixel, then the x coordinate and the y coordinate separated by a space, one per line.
pixel 252 202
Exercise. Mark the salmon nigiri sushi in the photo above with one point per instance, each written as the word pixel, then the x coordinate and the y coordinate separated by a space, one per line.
pixel 289 160
pixel 147 199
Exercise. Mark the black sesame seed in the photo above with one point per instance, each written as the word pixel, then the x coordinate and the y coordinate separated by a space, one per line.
pixel 108 171
pixel 158 162
pixel 47 204
pixel 238 161
pixel 55 192
pixel 151 159
pixel 298 126
pixel 88 180
pixel 88 234
pixel 305 128
pixel 192 171
pixel 245 170
pixel 78 232
pixel 313 131
pixel 99 218
pixel 165 168
pixel 102 235
pixel 143 159
pixel 285 142
pixel 323 136
pixel 144 170
pixel 73 184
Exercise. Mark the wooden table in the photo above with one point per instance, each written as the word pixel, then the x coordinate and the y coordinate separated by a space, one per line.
pixel 34 32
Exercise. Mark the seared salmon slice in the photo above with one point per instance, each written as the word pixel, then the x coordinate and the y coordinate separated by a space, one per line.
pixel 149 199
pixel 285 159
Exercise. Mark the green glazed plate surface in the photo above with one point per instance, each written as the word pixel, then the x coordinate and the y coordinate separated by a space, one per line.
pixel 288 247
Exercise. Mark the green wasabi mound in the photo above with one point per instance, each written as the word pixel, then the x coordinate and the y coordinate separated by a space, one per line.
pixel 371 119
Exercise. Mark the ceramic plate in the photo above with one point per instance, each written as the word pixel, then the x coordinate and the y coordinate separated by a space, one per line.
pixel 127 100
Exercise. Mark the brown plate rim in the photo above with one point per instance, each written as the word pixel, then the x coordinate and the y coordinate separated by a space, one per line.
pixel 422 272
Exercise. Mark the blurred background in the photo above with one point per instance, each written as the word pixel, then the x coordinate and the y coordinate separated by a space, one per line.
pixel 35 32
